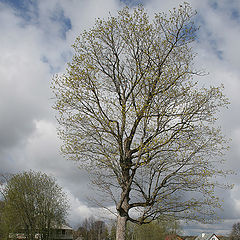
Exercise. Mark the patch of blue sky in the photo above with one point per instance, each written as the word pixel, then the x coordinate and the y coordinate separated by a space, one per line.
pixel 133 3
pixel 200 24
pixel 235 15
pixel 65 56
pixel 213 44
pixel 44 59
pixel 26 9
pixel 65 22
pixel 228 7
pixel 52 69
pixel 213 4
pixel 215 49
pixel 205 35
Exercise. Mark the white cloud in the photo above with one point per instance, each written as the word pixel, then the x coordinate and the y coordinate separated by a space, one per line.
pixel 235 195
pixel 78 211
pixel 33 50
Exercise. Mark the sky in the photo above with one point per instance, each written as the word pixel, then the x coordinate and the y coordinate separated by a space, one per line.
pixel 35 43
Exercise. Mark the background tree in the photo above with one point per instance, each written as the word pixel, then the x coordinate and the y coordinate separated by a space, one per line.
pixel 132 114
pixel 4 227
pixel 92 229
pixel 113 230
pixel 34 203
pixel 1 219
pixel 235 233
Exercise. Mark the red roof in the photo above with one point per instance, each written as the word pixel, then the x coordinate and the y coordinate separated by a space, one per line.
pixel 173 237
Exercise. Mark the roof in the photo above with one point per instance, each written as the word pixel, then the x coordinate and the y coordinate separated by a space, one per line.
pixel 173 237
pixel 188 237
pixel 62 226
pixel 206 236
pixel 220 237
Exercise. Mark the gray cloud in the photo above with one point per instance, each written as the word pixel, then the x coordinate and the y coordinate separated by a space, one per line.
pixel 36 43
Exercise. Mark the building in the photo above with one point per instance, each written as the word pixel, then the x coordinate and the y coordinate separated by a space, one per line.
pixel 62 232
pixel 207 236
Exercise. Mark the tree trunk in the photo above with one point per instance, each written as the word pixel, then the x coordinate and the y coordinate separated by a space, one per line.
pixel 121 227
pixel 123 206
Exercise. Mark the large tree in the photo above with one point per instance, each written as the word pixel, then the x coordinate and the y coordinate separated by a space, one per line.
pixel 33 204
pixel 131 112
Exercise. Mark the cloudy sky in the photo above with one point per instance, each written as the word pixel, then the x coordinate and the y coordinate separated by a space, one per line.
pixel 35 43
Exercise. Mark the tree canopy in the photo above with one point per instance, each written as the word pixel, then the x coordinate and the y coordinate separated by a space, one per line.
pixel 33 204
pixel 132 113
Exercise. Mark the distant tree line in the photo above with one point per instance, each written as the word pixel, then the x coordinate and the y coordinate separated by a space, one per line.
pixel 235 233
pixel 92 229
